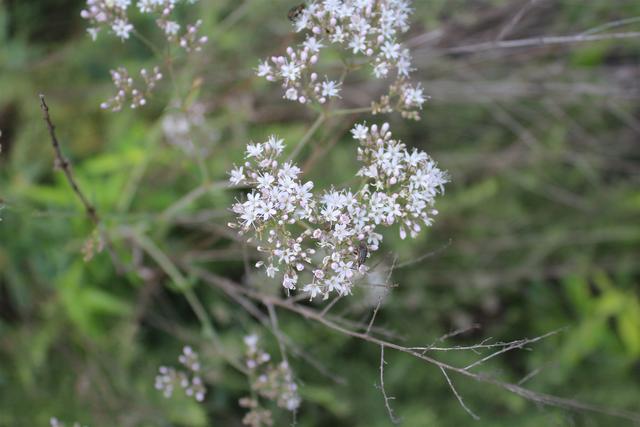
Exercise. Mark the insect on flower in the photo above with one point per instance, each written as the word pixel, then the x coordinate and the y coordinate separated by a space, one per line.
pixel 295 12
pixel 362 253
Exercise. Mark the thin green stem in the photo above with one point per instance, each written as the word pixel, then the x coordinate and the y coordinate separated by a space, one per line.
pixel 231 19
pixel 348 111
pixel 156 51
pixel 191 197
pixel 133 183
pixel 307 136
pixel 182 285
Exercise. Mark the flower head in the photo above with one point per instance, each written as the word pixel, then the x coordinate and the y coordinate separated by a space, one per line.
pixel 328 235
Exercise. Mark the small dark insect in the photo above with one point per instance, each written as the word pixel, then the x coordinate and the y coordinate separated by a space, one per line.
pixel 362 252
pixel 295 12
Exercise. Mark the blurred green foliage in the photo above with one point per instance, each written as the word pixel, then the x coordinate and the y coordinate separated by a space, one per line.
pixel 539 228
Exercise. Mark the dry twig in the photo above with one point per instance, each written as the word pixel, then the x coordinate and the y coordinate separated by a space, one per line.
pixel 384 393
pixel 310 314
pixel 65 165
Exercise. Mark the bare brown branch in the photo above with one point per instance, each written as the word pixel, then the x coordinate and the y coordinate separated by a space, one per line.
pixel 65 165
pixel 384 393
pixel 308 313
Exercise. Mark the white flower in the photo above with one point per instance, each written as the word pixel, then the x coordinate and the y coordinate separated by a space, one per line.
pixel 414 96
pixel 360 131
pixel 237 175
pixel 265 180
pixel 254 150
pixel 290 71
pixel 381 70
pixel 357 43
pixel 264 69
pixel 271 271
pixel 330 88
pixel 313 289
pixel 313 44
pixel 171 28
pixel 145 6
pixel 251 341
pixel 289 282
pixel 120 4
pixel 93 32
pixel 391 50
pixel 122 28
pixel 291 94
pixel 275 144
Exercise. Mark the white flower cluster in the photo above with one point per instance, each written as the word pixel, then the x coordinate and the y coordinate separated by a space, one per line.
pixel 113 14
pixel 365 27
pixel 332 234
pixel 126 90
pixel 169 378
pixel 108 13
pixel 274 382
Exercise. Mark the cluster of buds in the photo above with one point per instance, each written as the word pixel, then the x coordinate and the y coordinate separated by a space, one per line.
pixel 365 27
pixel 168 379
pixel 402 96
pixel 257 416
pixel 272 382
pixel 299 83
pixel 126 90
pixel 111 14
pixel 93 245
pixel 276 383
pixel 332 234
pixel 190 40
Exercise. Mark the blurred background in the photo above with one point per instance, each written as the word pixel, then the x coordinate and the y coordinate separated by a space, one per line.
pixel 539 228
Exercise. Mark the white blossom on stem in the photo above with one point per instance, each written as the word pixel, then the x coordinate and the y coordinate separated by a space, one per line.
pixel 323 233
pixel 368 28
